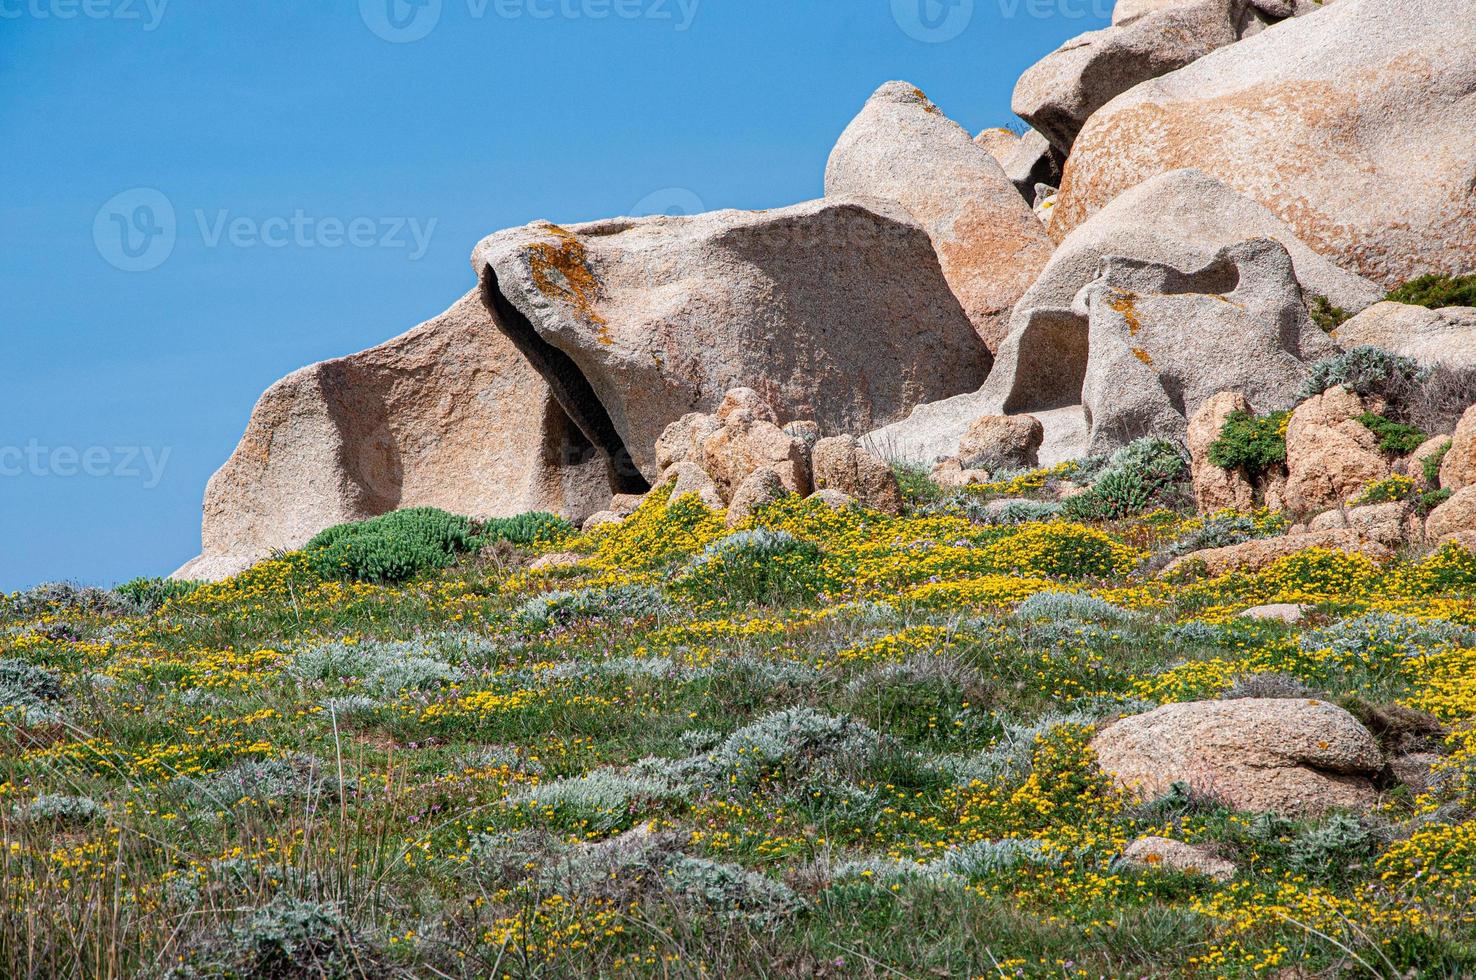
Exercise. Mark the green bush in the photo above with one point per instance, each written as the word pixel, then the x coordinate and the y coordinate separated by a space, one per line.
pixel 532 528
pixel 1437 291
pixel 149 594
pixel 1394 437
pixel 1327 316
pixel 1367 371
pixel 1253 444
pixel 1139 476
pixel 1431 464
pixel 916 484
pixel 392 548
pixel 1431 499
pixel 754 566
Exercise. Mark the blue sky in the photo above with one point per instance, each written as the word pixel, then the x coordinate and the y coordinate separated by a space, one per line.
pixel 328 167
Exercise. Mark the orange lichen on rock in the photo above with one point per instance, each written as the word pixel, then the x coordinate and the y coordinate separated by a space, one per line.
pixel 575 284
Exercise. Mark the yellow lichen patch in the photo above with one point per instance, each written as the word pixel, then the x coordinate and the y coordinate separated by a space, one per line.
pixel 563 273
pixel 1125 303
pixel 1143 356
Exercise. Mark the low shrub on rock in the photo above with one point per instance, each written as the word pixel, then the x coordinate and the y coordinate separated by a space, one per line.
pixel 1367 371
pixel 1435 291
pixel 1252 444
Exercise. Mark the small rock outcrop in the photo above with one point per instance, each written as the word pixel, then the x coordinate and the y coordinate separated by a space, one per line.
pixel 1291 757
pixel 836 310
pixel 448 415
pixel 991 247
pixel 1216 488
pixel 1252 556
pixel 1458 469
pixel 842 464
pixel 1436 338
pixel 1453 519
pixel 740 458
pixel 1164 854
pixel 1000 442
pixel 1356 125
pixel 1331 456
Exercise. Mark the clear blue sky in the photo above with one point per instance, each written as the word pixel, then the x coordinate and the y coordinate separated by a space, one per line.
pixel 268 126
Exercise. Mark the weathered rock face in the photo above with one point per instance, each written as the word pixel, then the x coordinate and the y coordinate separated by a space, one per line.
pixel 1413 465
pixel 1330 455
pixel 1162 342
pixel 996 442
pixel 1435 338
pixel 1059 93
pixel 991 247
pixel 1216 488
pixel 1355 125
pixel 1181 219
pixel 834 311
pixel 841 463
pixel 448 415
pixel 1292 757
pixel 1252 556
pixel 1458 469
pixel 1127 10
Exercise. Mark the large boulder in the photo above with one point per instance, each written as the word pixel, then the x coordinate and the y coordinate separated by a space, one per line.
pixel 449 415
pixel 1330 455
pixel 1216 488
pixel 1355 125
pixel 1060 92
pixel 989 243
pixel 1182 219
pixel 1297 758
pixel 1435 338
pixel 835 311
pixel 1162 341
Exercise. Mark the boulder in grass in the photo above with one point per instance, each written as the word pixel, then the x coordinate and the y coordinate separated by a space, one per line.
pixel 1294 757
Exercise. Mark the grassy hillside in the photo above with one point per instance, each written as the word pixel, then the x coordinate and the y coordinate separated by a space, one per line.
pixel 832 744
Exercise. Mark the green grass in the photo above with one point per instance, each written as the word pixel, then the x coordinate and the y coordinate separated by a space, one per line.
pixel 821 771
